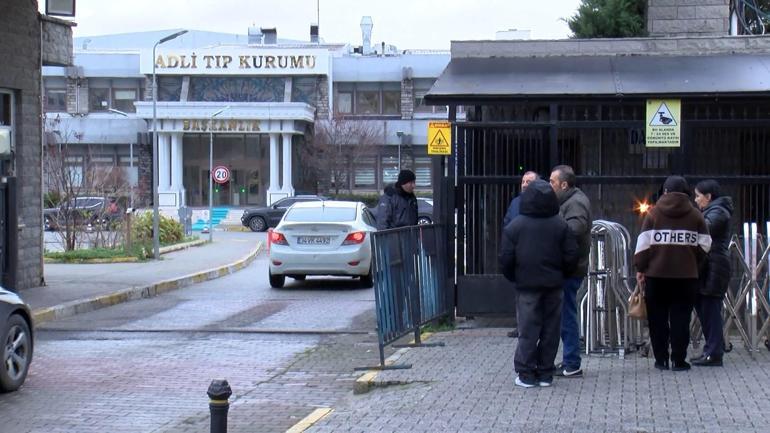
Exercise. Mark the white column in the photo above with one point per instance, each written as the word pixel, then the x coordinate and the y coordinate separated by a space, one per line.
pixel 177 165
pixel 274 189
pixel 164 166
pixel 286 185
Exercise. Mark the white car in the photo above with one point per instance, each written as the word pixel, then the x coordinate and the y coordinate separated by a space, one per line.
pixel 322 238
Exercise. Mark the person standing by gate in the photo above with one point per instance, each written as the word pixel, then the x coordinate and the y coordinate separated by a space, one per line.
pixel 575 208
pixel 537 251
pixel 717 210
pixel 398 205
pixel 673 241
pixel 513 212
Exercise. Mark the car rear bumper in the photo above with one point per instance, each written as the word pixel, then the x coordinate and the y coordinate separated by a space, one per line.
pixel 293 262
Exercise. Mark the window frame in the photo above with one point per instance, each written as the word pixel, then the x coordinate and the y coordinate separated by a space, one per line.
pixel 357 89
pixel 10 128
pixel 47 106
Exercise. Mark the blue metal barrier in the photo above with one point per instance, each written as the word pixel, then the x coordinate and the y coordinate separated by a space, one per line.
pixel 410 281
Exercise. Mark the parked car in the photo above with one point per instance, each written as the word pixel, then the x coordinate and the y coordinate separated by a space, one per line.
pixel 261 218
pixel 82 211
pixel 424 210
pixel 17 340
pixel 322 238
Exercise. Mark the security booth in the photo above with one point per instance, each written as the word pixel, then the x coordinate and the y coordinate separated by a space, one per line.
pixel 623 121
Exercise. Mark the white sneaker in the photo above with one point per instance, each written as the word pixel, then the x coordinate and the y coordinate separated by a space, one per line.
pixel 523 384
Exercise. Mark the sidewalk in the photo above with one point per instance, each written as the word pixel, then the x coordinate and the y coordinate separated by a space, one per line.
pixel 467 386
pixel 77 285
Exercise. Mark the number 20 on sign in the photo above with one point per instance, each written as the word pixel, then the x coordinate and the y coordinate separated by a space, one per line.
pixel 221 174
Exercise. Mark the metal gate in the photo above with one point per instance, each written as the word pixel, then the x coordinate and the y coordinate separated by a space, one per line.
pixel 8 233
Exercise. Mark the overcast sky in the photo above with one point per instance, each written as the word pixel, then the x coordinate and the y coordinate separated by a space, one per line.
pixel 427 24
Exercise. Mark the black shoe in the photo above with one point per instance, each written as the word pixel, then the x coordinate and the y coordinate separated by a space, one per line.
pixel 708 361
pixel 564 371
pixel 661 365
pixel 514 333
pixel 680 366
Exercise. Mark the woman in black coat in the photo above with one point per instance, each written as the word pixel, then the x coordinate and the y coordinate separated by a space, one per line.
pixel 715 276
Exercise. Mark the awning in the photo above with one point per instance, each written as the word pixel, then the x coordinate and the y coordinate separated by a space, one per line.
pixel 480 79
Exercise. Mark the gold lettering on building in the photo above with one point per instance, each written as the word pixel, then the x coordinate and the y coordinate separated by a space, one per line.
pixel 220 125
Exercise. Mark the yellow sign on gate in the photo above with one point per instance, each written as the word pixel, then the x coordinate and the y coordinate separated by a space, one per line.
pixel 439 138
pixel 663 123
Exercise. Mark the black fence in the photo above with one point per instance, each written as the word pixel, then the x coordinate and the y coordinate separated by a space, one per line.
pixel 410 282
pixel 9 229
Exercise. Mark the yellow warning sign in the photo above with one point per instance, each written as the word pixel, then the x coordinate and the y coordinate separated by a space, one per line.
pixel 663 123
pixel 439 138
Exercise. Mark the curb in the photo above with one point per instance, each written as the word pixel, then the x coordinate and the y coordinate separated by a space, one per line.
pixel 182 246
pixel 80 306
pixel 308 421
pixel 366 382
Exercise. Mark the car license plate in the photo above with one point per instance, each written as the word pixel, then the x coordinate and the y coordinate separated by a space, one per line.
pixel 313 240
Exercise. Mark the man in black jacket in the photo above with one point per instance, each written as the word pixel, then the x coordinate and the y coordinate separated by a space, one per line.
pixel 398 206
pixel 537 251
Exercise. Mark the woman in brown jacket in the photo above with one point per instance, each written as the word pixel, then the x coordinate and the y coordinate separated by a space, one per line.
pixel 673 241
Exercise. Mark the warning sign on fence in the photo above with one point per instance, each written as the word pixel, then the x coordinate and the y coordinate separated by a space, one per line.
pixel 439 138
pixel 663 121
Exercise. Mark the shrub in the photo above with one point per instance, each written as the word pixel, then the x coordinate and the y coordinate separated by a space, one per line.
pixel 171 231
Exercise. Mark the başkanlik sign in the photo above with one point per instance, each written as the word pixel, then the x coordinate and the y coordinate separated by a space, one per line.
pixel 237 61
pixel 220 125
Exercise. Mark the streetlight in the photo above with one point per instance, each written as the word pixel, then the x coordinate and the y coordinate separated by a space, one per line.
pixel 211 168
pixel 130 161
pixel 156 182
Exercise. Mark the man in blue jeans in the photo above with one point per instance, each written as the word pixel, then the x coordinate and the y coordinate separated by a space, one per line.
pixel 575 208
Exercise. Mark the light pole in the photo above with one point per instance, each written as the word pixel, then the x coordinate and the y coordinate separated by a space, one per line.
pixel 211 168
pixel 130 161
pixel 156 181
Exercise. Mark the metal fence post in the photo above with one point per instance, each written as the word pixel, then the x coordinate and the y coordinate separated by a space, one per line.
pixel 219 392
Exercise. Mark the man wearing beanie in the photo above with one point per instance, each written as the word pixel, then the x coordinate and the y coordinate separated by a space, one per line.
pixel 673 242
pixel 398 206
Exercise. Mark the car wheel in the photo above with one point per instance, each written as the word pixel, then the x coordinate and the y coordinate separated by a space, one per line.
pixel 368 279
pixel 277 281
pixel 298 277
pixel 257 224
pixel 423 220
pixel 17 353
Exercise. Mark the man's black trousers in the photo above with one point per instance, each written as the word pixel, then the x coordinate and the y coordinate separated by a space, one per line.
pixel 539 324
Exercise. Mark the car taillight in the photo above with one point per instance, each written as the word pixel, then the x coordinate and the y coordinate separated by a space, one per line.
pixel 354 238
pixel 278 238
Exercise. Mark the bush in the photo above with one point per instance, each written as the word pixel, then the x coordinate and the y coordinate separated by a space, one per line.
pixel 51 199
pixel 171 231
pixel 369 200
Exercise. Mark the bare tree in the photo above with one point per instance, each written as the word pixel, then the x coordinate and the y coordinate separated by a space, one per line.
pixel 79 190
pixel 336 143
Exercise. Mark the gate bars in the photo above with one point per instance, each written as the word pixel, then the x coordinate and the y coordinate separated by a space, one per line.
pixel 410 283
pixel 604 322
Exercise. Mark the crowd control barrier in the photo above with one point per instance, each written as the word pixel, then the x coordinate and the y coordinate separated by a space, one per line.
pixel 604 322
pixel 410 282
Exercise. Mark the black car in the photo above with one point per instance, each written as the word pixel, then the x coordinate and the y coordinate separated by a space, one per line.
pixel 17 340
pixel 261 218
pixel 82 211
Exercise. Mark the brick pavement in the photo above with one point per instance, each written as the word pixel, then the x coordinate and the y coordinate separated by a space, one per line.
pixel 467 386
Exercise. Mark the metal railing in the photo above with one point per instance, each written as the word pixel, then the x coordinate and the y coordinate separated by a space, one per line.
pixel 604 322
pixel 410 282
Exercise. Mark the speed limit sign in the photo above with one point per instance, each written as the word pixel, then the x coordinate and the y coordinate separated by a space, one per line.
pixel 221 174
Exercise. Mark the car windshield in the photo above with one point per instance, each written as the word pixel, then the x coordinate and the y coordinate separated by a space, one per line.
pixel 321 214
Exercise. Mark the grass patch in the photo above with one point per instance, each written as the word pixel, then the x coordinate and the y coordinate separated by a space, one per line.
pixel 139 250
pixel 442 325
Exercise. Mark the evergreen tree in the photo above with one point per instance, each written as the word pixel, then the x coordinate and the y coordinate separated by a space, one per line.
pixel 609 19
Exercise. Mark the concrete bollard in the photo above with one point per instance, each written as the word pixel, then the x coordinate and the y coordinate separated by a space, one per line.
pixel 219 392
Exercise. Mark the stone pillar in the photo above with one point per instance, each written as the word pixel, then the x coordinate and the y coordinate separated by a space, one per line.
pixel 407 98
pixel 286 185
pixel 322 104
pixel 273 191
pixel 177 166
pixel 164 165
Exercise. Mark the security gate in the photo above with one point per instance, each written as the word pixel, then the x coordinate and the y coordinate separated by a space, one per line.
pixel 604 141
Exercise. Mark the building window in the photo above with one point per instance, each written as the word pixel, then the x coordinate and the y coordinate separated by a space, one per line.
pixel 364 174
pixel 304 89
pixel 98 99
pixel 368 98
pixel 389 169
pixel 237 89
pixel 169 88
pixel 123 100
pixel 6 121
pixel 55 100
pixel 422 170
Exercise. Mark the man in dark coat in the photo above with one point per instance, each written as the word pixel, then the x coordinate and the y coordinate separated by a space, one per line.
pixel 575 208
pixel 537 251
pixel 398 206
pixel 715 275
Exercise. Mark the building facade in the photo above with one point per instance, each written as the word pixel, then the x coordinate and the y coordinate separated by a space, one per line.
pixel 258 101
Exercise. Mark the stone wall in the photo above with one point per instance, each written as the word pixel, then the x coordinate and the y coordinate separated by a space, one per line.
pixel 689 45
pixel 407 98
pixel 322 105
pixel 57 41
pixel 20 73
pixel 688 17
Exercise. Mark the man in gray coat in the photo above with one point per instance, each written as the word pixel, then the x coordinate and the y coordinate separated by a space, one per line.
pixel 575 208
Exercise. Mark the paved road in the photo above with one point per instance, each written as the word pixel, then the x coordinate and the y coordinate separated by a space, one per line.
pixel 145 366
